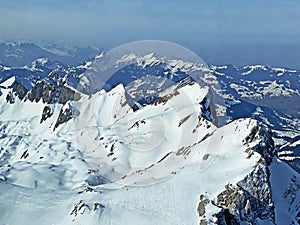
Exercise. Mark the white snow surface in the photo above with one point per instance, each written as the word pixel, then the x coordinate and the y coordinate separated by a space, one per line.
pixel 160 159
pixel 7 83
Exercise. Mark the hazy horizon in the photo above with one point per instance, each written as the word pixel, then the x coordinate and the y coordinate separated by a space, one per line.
pixel 221 32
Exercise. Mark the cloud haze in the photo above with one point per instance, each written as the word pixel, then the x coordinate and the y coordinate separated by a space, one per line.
pixel 191 23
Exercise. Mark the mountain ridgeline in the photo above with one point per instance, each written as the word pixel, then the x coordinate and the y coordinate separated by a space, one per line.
pixel 125 155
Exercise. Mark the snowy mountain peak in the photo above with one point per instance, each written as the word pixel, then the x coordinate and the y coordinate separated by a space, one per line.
pixel 8 83
pixel 250 69
pixel 96 151
pixel 143 147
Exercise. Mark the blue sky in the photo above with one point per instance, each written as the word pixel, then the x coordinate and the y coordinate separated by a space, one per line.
pixel 221 30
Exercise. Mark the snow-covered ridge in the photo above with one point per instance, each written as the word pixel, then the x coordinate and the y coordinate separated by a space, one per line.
pixel 4 68
pixel 174 65
pixel 92 152
pixel 250 69
pixel 262 87
pixel 48 119
pixel 86 154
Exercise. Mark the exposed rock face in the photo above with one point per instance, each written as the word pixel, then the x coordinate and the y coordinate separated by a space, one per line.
pixel 10 98
pixel 201 209
pixel 47 113
pixel 19 90
pixel 249 200
pixel 49 92
pixel 226 218
pixel 266 145
pixel 36 92
pixel 64 116
pixel 291 194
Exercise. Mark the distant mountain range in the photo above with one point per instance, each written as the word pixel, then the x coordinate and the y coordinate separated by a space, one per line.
pixel 20 54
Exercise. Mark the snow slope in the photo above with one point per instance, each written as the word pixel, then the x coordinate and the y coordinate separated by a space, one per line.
pixel 165 163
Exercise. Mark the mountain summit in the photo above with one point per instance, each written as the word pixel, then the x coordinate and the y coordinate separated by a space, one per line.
pixel 73 158
pixel 143 139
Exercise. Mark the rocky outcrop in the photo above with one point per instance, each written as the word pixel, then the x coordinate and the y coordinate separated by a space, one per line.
pixel 291 196
pixel 47 113
pixel 265 146
pixel 10 98
pixel 249 200
pixel 64 116
pixel 49 92
pixel 19 90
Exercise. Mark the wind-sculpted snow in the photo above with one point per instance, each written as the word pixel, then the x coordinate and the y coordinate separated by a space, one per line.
pixel 145 146
pixel 113 156
pixel 36 158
